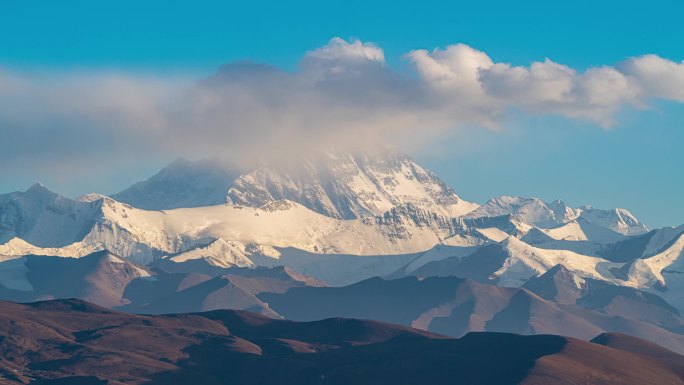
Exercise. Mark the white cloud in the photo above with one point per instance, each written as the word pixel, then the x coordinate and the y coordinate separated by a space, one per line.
pixel 457 68
pixel 470 77
pixel 606 86
pixel 342 94
pixel 340 49
pixel 542 82
pixel 660 78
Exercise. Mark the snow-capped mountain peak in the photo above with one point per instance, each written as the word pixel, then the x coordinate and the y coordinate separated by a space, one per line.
pixel 550 215
pixel 183 183
pixel 349 186
pixel 91 197
pixel 39 191
pixel 618 219
pixel 43 217
pixel 532 211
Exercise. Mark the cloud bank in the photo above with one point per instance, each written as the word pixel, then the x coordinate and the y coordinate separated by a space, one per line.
pixel 343 94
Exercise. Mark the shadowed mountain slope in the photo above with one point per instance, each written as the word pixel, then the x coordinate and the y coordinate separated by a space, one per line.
pixel 454 306
pixel 74 342
pixel 183 183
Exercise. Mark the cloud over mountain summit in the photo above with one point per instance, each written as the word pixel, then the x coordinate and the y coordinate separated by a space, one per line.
pixel 343 94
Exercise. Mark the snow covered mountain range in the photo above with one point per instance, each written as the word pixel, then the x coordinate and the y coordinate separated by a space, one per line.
pixel 338 219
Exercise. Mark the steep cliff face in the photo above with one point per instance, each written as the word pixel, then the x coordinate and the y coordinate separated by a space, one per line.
pixel 349 186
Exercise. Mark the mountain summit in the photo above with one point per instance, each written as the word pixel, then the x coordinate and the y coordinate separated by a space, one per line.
pixel 183 183
pixel 347 186
pixel 337 185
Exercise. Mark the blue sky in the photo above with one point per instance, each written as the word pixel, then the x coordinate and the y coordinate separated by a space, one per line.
pixel 205 34
pixel 636 163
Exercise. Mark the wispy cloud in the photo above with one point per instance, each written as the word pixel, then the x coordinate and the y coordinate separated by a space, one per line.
pixel 341 94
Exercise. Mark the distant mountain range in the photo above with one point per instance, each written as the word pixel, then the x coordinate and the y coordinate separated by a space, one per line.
pixel 75 342
pixel 325 229
pixel 557 302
